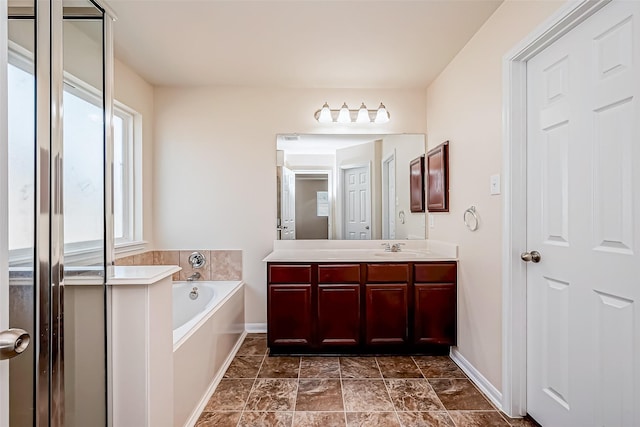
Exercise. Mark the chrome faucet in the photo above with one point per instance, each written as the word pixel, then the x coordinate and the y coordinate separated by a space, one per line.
pixel 386 246
pixel 194 276
pixel 396 247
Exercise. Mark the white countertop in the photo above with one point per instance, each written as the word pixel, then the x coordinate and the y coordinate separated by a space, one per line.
pixel 360 251
pixel 140 275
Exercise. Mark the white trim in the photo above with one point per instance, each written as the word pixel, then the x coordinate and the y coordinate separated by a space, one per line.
pixel 514 226
pixel 193 419
pixel 4 214
pixel 477 378
pixel 386 214
pixel 255 328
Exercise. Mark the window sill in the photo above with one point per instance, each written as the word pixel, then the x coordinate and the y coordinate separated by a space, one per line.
pixel 130 248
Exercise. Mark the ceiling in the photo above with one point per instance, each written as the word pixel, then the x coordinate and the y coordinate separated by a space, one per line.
pixel 294 43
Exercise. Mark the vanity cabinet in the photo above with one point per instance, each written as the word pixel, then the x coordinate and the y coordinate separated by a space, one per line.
pixel 351 308
pixel 435 303
pixel 338 308
pixel 387 304
pixel 290 293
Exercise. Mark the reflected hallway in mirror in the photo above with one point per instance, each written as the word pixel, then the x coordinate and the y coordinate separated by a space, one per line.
pixel 347 187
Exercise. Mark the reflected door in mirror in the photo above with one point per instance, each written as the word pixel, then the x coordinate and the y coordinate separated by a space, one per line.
pixel 357 206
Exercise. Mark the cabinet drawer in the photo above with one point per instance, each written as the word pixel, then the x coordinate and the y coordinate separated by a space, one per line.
pixel 289 273
pixel 343 273
pixel 387 272
pixel 435 272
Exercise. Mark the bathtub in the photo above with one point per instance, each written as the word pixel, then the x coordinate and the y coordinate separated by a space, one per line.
pixel 207 332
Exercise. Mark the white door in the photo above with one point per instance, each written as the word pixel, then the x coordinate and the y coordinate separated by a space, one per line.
pixel 583 217
pixel 288 205
pixel 389 198
pixel 357 203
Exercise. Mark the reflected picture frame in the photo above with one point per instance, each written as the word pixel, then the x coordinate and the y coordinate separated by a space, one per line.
pixel 438 178
pixel 416 184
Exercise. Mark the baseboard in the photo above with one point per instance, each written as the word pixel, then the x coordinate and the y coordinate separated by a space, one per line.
pixel 256 328
pixel 193 419
pixel 478 379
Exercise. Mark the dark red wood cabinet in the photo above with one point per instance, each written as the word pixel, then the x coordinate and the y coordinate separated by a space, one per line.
pixel 338 305
pixel 387 304
pixel 387 314
pixel 344 308
pixel 290 286
pixel 434 297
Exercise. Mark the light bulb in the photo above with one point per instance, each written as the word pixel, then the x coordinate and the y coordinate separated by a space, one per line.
pixel 325 114
pixel 344 116
pixel 363 115
pixel 382 116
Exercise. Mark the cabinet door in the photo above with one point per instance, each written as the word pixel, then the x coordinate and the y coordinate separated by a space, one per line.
pixel 435 313
pixel 339 315
pixel 290 315
pixel 386 314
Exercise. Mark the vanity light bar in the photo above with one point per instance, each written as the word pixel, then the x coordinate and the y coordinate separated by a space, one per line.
pixel 345 115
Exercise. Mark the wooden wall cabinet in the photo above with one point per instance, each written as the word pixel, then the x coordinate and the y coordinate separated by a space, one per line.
pixel 438 178
pixel 345 308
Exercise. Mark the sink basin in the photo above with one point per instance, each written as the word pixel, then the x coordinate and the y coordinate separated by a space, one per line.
pixel 402 254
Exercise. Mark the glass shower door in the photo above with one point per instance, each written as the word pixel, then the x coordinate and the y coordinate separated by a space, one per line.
pixel 55 216
pixel 17 272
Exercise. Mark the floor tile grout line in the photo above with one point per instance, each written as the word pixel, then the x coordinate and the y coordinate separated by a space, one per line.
pixel 344 403
pixel 434 391
pixel 295 396
pixel 252 386
pixel 393 405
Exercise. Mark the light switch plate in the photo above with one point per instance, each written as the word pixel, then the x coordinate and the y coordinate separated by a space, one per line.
pixel 495 184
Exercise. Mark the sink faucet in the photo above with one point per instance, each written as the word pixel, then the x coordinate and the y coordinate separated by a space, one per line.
pixel 194 276
pixel 386 246
pixel 396 247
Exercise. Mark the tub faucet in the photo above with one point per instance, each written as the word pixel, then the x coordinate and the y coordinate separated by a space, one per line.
pixel 194 276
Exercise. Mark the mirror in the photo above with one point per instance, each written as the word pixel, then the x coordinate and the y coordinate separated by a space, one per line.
pixel 347 187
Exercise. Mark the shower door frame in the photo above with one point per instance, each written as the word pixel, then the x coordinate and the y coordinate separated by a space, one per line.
pixel 48 268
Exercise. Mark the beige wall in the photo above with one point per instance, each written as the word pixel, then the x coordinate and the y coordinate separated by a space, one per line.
pixel 214 179
pixel 464 106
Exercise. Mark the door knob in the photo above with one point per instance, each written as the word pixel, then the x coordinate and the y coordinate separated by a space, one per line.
pixel 366 227
pixel 533 256
pixel 13 342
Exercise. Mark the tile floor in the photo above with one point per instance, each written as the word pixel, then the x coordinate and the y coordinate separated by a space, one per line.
pixel 259 390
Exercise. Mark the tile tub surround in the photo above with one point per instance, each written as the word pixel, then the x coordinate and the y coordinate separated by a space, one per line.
pixel 221 264
pixel 262 390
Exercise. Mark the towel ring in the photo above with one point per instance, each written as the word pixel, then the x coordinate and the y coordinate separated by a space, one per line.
pixel 472 224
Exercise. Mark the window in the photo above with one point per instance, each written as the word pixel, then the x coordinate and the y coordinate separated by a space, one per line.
pixel 124 177
pixel 83 174
pixel 21 151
